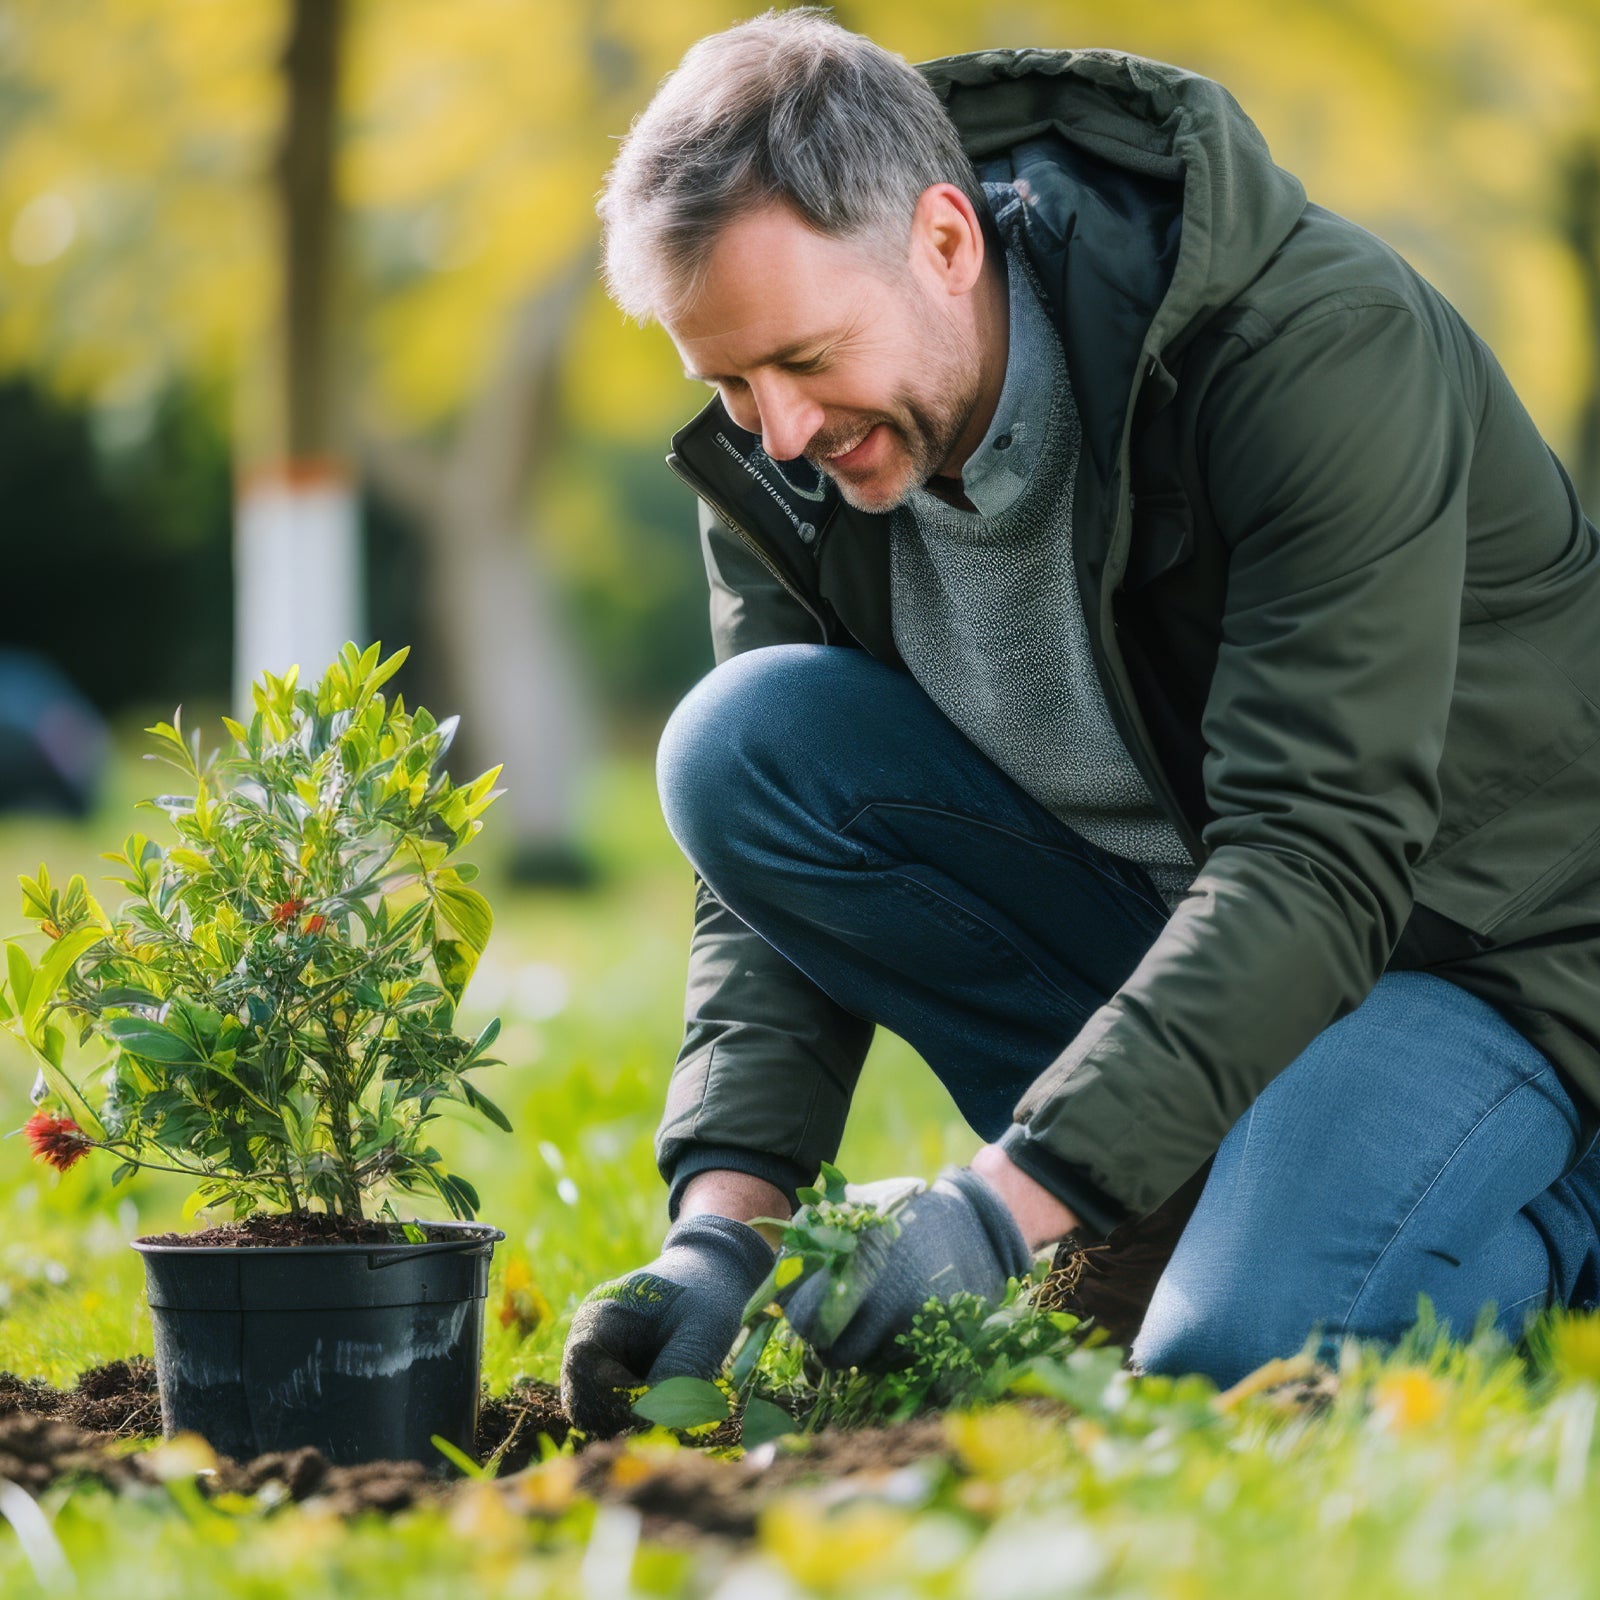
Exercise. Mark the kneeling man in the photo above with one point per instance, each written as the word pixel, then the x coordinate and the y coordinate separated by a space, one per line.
pixel 1157 677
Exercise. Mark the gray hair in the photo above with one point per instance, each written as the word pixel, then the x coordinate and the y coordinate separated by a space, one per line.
pixel 787 107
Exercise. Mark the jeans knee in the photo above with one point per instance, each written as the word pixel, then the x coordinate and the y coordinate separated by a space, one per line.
pixel 724 744
pixel 1221 1341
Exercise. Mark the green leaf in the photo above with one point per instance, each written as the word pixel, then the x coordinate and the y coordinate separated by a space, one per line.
pixel 683 1403
pixel 755 1342
pixel 764 1421
pixel 490 1033
pixel 456 963
pixel 464 909
pixel 787 1270
pixel 762 1298
pixel 149 1041
pixel 382 673
pixel 481 1102
pixel 846 1290
pixel 52 971
pixel 458 1457
pixel 833 1181
pixel 19 970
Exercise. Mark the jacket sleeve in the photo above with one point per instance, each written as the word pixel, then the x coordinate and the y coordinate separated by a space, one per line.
pixel 1336 459
pixel 764 1078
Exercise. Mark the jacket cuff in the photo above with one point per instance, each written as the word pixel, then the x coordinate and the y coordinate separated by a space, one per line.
pixel 780 1172
pixel 1098 1212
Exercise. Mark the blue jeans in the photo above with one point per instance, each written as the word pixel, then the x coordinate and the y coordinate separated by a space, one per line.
pixel 1418 1145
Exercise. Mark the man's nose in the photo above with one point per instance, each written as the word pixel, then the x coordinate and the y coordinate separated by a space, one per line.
pixel 788 418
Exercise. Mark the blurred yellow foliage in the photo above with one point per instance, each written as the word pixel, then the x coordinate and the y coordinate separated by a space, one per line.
pixel 548 1488
pixel 135 240
pixel 523 1305
pixel 1407 1399
pixel 859 1542
pixel 1002 1441
pixel 1574 1346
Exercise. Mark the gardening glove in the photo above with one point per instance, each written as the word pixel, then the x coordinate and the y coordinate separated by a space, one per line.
pixel 678 1316
pixel 956 1236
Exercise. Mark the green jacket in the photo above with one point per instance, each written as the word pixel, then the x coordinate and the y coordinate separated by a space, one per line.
pixel 1345 609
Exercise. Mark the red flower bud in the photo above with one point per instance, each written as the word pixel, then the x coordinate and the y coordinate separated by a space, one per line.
pixel 59 1141
pixel 316 922
pixel 287 912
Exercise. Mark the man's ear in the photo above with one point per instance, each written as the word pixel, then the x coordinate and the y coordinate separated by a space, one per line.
pixel 947 242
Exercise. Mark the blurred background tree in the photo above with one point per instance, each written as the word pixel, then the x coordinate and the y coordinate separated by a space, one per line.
pixel 505 425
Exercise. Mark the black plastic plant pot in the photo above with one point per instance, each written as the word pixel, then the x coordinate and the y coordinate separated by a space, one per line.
pixel 362 1351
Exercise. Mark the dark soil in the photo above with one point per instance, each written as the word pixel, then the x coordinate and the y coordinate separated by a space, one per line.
pixel 119 1399
pixel 510 1425
pixel 48 1433
pixel 684 1496
pixel 36 1450
pixel 681 1495
pixel 310 1227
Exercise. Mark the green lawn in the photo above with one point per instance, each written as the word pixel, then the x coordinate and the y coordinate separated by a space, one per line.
pixel 1440 1468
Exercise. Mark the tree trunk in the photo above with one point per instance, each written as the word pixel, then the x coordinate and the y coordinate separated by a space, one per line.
pixel 506 660
pixel 297 570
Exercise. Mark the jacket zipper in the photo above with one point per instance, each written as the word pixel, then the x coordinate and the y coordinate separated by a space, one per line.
pixel 748 539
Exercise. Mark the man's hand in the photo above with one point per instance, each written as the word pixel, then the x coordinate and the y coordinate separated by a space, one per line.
pixel 677 1316
pixel 1042 1218
pixel 956 1236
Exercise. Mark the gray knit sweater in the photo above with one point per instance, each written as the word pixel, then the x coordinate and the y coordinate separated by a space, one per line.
pixel 986 607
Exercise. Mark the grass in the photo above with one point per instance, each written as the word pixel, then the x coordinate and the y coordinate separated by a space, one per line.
pixel 1442 1466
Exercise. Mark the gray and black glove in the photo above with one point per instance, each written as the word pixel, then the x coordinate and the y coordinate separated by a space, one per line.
pixel 956 1236
pixel 676 1317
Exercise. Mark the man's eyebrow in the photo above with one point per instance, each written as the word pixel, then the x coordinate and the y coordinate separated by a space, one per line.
pixel 785 353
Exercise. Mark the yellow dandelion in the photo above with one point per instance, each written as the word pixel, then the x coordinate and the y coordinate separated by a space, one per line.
pixel 1408 1398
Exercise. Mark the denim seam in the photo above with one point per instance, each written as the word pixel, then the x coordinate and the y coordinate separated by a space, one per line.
pixel 1084 1012
pixel 1541 1294
pixel 1076 853
pixel 1517 1088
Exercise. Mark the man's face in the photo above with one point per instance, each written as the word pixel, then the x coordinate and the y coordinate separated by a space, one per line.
pixel 826 351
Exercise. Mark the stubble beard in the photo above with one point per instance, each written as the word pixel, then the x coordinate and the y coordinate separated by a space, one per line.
pixel 926 429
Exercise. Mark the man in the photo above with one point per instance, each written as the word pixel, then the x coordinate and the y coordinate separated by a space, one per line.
pixel 1156 678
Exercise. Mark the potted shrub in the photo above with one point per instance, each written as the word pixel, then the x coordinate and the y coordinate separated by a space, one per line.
pixel 271 1011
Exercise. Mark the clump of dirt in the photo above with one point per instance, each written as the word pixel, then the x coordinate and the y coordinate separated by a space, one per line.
pixel 119 1398
pixel 688 1495
pixel 385 1486
pixel 32 1395
pixel 509 1425
pixel 309 1227
pixel 36 1450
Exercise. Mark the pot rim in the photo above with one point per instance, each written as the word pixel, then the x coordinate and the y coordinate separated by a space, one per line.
pixel 471 1233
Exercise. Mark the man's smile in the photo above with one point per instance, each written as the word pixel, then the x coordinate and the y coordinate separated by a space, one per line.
pixel 860 454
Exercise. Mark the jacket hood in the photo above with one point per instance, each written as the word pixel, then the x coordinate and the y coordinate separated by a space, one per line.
pixel 1153 121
